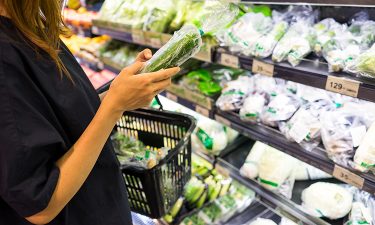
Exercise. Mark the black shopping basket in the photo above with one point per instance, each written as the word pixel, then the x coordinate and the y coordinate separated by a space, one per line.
pixel 152 192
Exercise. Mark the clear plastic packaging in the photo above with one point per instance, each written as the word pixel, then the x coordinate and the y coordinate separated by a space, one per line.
pixel 297 42
pixel 327 200
pixel 343 130
pixel 364 158
pixel 261 221
pixel 234 93
pixel 363 208
pixel 280 109
pixel 186 42
pixel 250 168
pixel 364 64
pixel 160 17
pixel 304 171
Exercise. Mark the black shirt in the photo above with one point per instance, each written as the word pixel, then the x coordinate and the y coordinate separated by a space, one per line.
pixel 42 114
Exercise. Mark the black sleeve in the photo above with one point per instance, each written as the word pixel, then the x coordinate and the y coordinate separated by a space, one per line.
pixel 29 142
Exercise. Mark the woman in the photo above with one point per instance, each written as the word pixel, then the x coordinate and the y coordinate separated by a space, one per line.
pixel 57 165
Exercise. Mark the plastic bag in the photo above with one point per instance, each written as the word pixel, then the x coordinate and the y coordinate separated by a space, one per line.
pixel 364 64
pixel 186 42
pixel 363 208
pixel 304 171
pixel 364 158
pixel 160 16
pixel 281 108
pixel 243 34
pixel 286 221
pixel 276 171
pixel 250 168
pixel 327 200
pixel 110 8
pixel 304 127
pixel 234 93
pixel 344 129
pixel 325 30
pixel 132 152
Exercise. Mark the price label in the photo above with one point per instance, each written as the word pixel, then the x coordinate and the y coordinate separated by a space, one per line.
pixel 263 68
pixel 343 86
pixel 155 42
pixel 222 120
pixel 202 111
pixel 348 177
pixel 95 30
pixel 230 60
pixel 138 37
pixel 223 171
pixel 172 97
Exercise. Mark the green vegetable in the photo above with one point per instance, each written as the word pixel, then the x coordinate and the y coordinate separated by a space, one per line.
pixel 194 190
pixel 183 45
pixel 201 200
pixel 177 207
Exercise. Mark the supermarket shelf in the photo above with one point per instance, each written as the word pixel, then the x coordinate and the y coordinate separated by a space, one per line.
pixel 274 138
pixel 310 72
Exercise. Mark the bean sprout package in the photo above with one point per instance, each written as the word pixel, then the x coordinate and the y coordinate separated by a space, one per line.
pixel 186 42
pixel 343 131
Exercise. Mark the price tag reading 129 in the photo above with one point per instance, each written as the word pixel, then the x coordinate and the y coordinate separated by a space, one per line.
pixel 229 60
pixel 342 86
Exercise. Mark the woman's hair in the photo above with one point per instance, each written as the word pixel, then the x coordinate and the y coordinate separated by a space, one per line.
pixel 40 21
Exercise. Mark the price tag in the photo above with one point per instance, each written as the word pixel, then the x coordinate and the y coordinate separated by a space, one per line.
pixel 95 30
pixel 172 97
pixel 202 111
pixel 223 171
pixel 343 86
pixel 229 60
pixel 222 120
pixel 263 68
pixel 348 177
pixel 138 37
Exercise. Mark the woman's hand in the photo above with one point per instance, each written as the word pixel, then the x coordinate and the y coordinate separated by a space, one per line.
pixel 130 91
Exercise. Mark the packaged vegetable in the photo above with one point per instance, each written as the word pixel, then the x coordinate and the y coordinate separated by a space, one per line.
pixel 194 190
pixel 234 93
pixel 327 200
pixel 132 152
pixel 160 16
pixel 193 220
pixel 363 208
pixel 304 171
pixel 326 30
pixel 250 167
pixel 343 130
pixel 211 214
pixel 297 42
pixel 364 64
pixel 186 42
pixel 276 171
pixel 110 8
pixel 364 158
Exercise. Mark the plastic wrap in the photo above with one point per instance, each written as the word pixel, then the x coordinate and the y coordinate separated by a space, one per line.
pixel 243 34
pixel 304 171
pixel 327 200
pixel 234 93
pixel 325 30
pixel 285 221
pixel 250 168
pixel 364 158
pixel 132 152
pixel 363 208
pixel 186 42
pixel 305 126
pixel 344 129
pixel 276 171
pixel 160 17
pixel 364 64
pixel 110 8
pixel 280 109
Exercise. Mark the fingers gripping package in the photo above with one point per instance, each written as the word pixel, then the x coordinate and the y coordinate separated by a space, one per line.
pixel 186 42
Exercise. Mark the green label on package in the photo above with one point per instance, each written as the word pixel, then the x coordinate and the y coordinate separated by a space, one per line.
pixel 206 140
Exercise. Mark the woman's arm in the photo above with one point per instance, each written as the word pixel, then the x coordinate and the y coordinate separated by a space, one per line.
pixel 127 92
pixel 141 57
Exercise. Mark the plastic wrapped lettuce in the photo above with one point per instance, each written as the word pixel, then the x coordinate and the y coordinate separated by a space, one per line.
pixel 244 33
pixel 364 158
pixel 110 8
pixel 363 207
pixel 364 64
pixel 186 42
pixel 297 42
pixel 250 167
pixel 325 30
